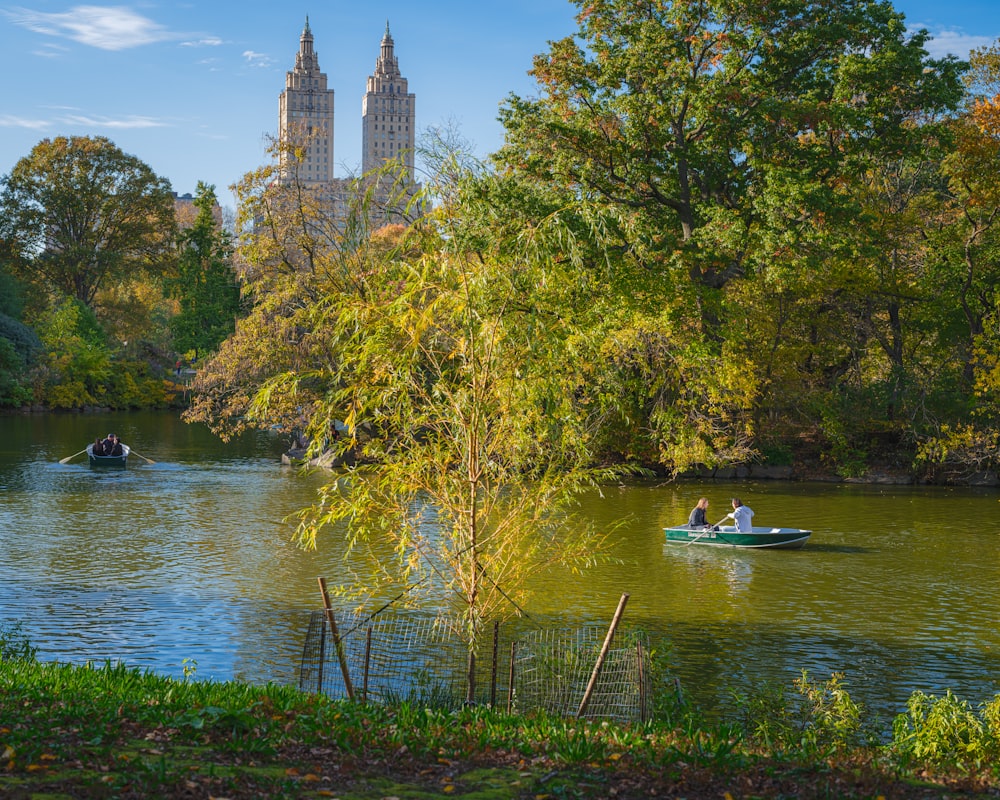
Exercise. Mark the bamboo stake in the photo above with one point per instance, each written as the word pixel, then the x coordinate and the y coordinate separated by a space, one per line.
pixel 510 685
pixel 322 656
pixel 493 671
pixel 603 654
pixel 368 655
pixel 337 643
pixel 642 682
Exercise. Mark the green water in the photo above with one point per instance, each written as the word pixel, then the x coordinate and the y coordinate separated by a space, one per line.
pixel 190 558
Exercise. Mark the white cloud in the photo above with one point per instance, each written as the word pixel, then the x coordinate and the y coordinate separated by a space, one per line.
pixel 51 50
pixel 952 42
pixel 208 41
pixel 124 123
pixel 257 59
pixel 9 121
pixel 104 27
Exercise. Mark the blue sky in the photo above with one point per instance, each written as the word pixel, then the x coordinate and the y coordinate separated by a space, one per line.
pixel 192 88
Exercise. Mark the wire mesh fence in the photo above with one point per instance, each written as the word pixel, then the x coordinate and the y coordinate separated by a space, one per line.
pixel 424 659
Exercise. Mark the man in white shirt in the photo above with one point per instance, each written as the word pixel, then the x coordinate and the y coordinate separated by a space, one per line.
pixel 741 515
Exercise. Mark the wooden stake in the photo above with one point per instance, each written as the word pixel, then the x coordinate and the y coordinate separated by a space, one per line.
pixel 337 643
pixel 493 671
pixel 642 681
pixel 510 685
pixel 603 654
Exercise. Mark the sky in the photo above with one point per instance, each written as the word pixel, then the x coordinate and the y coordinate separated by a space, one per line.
pixel 192 87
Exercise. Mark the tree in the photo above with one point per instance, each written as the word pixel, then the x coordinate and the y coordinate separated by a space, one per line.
pixel 727 146
pixel 447 349
pixel 78 361
pixel 205 282
pixel 456 373
pixel 87 215
pixel 707 122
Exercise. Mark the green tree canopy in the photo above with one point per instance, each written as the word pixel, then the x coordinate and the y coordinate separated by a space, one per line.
pixel 86 215
pixel 704 122
pixel 205 283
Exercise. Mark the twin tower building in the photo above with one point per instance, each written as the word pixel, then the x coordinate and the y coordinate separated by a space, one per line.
pixel 388 114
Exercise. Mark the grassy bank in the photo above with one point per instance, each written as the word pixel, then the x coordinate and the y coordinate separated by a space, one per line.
pixel 112 732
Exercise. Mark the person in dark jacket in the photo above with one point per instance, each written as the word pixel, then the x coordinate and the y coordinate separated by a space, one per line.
pixel 113 445
pixel 97 448
pixel 699 517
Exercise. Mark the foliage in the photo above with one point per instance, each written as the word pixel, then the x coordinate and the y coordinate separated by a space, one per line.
pixel 19 349
pixel 289 246
pixel 11 295
pixel 77 360
pixel 763 173
pixel 205 282
pixel 720 125
pixel 821 718
pixel 946 732
pixel 14 391
pixel 958 452
pixel 14 643
pixel 86 216
pixel 454 372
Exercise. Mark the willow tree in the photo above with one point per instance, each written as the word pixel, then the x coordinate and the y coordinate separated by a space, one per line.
pixel 450 351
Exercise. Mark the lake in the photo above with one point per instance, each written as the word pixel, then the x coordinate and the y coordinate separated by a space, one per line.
pixel 189 561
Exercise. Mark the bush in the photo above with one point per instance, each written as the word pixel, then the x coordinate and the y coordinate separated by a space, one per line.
pixel 14 645
pixel 946 732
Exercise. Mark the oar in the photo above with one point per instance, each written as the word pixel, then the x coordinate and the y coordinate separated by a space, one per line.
pixel 707 531
pixel 70 458
pixel 132 452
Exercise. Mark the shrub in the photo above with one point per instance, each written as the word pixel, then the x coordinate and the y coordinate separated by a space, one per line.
pixel 946 732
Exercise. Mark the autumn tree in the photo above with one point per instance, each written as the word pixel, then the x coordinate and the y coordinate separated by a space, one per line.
pixel 87 215
pixel 963 236
pixel 205 282
pixel 294 243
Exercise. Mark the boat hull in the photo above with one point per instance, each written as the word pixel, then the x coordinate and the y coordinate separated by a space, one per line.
pixel 757 539
pixel 108 461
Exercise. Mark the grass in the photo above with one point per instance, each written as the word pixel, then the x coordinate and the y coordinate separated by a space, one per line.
pixel 107 731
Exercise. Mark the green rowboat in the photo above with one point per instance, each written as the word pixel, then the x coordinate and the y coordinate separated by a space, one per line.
pixel 108 461
pixel 757 538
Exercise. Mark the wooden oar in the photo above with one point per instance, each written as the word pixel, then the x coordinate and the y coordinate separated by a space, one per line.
pixel 70 458
pixel 707 531
pixel 132 452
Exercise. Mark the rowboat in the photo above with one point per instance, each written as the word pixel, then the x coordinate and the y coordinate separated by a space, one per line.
pixel 107 461
pixel 756 538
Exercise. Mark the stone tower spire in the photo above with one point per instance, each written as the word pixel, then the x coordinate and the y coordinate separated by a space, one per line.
pixel 388 113
pixel 305 114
